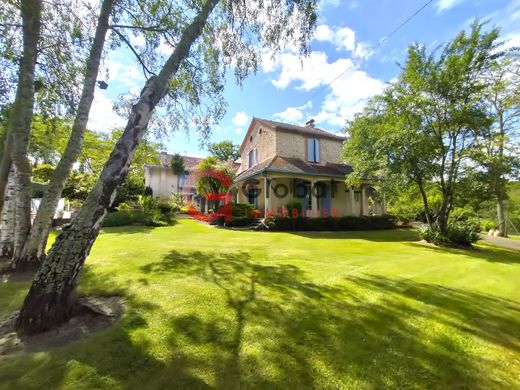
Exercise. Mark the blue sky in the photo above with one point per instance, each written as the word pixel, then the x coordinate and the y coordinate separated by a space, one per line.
pixel 346 31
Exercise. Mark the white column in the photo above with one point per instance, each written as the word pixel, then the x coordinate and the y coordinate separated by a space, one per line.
pixel 314 200
pixel 266 199
pixel 364 202
pixel 352 200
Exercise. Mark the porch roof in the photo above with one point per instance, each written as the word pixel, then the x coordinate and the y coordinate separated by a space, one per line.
pixel 295 166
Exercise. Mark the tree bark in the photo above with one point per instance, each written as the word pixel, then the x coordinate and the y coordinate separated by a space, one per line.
pixel 51 300
pixel 5 166
pixel 7 221
pixel 20 119
pixel 34 249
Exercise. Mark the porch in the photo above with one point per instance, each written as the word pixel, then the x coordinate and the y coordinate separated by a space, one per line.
pixel 320 196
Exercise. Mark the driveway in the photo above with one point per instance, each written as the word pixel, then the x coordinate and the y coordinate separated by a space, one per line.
pixel 503 242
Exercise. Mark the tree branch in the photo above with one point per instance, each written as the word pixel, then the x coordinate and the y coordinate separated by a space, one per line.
pixel 145 68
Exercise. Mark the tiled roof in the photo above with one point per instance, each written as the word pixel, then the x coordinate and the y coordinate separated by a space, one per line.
pixel 295 166
pixel 300 129
pixel 189 162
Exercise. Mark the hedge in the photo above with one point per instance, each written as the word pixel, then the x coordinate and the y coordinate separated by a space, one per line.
pixel 332 224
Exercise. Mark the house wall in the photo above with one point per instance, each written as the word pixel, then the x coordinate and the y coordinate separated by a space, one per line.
pixel 161 180
pixel 264 140
pixel 295 146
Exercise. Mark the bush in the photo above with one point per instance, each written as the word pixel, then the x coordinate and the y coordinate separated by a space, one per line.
pixel 157 213
pixel 458 233
pixel 241 210
pixel 487 225
pixel 124 218
pixel 294 204
pixel 332 224
pixel 240 221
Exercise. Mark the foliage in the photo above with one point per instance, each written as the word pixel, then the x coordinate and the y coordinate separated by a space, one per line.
pixel 177 164
pixel 294 204
pixel 156 212
pixel 213 177
pixel 423 129
pixel 177 202
pixel 459 233
pixel 241 209
pixel 332 224
pixel 124 218
pixel 42 173
pixel 224 151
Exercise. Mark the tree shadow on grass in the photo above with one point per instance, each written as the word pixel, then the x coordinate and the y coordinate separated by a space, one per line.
pixel 393 235
pixel 115 357
pixel 265 325
pixel 287 331
pixel 489 253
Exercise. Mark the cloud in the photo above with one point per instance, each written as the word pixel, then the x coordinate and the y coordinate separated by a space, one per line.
pixel 342 38
pixel 348 94
pixel 240 119
pixel 443 5
pixel 102 116
pixel 293 115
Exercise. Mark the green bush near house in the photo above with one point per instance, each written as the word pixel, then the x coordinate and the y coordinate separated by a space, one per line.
pixel 332 224
pixel 124 218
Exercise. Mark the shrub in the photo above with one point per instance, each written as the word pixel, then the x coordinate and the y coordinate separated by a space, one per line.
pixel 294 204
pixel 487 225
pixel 332 224
pixel 458 233
pixel 124 207
pixel 241 210
pixel 463 233
pixel 148 191
pixel 124 218
pixel 157 213
pixel 240 221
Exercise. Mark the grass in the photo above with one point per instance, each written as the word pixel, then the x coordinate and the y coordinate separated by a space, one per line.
pixel 212 308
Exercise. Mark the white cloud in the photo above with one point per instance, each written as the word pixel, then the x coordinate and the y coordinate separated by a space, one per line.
pixel 443 5
pixel 294 115
pixel 348 94
pixel 102 116
pixel 240 119
pixel 342 38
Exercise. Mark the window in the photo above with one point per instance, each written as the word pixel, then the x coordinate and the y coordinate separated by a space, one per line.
pixel 252 159
pixel 313 150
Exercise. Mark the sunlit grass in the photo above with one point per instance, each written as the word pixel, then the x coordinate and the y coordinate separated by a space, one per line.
pixel 214 308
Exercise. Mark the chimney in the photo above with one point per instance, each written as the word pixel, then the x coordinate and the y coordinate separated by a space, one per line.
pixel 309 123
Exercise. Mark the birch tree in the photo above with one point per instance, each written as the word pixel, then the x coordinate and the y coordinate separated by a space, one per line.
pixel 234 34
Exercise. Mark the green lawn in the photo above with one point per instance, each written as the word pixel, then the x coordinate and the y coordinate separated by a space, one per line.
pixel 211 308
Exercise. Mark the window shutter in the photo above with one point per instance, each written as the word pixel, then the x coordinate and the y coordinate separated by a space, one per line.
pixel 255 159
pixel 310 149
pixel 317 150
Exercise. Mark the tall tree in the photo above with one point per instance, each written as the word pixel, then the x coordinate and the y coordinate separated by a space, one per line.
pixel 177 166
pixel 51 297
pixel 33 250
pixel 20 119
pixel 224 150
pixel 430 119
pixel 498 151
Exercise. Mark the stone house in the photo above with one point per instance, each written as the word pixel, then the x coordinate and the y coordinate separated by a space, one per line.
pixel 164 183
pixel 281 162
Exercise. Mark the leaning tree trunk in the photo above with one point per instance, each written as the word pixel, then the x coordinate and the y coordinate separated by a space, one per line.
pixel 20 119
pixel 34 249
pixel 7 219
pixel 51 300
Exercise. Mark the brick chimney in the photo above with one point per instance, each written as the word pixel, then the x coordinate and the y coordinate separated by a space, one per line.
pixel 309 123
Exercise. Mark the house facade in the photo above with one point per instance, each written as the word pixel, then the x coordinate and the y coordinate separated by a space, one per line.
pixel 164 183
pixel 281 162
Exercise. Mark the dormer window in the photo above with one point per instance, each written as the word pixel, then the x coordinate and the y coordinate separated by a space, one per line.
pixel 313 150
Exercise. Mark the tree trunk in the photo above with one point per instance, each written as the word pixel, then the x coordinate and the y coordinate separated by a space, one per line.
pixel 34 248
pixel 50 300
pixel 5 166
pixel 501 213
pixel 20 119
pixel 7 221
